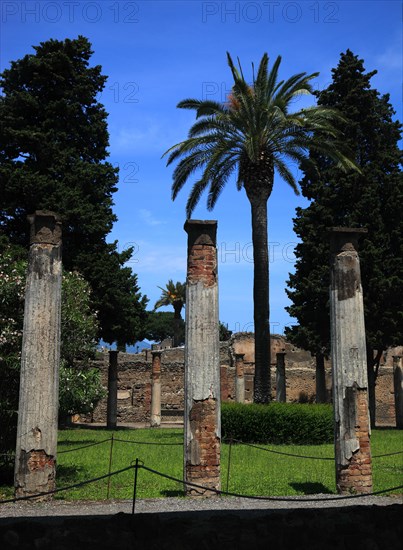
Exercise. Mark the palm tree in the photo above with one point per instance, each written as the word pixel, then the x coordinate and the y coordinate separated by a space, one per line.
pixel 173 295
pixel 253 134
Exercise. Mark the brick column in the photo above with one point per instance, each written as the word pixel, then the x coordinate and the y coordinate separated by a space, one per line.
pixel 202 361
pixel 239 378
pixel 349 365
pixel 35 458
pixel 280 377
pixel 112 403
pixel 156 389
pixel 398 390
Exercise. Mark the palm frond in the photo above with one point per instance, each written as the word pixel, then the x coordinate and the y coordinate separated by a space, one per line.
pixel 256 123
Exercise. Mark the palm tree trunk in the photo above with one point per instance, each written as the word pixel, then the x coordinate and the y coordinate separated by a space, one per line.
pixel 261 390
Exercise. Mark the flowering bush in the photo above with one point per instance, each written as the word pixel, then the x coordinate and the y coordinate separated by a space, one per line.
pixel 80 386
pixel 80 390
pixel 12 291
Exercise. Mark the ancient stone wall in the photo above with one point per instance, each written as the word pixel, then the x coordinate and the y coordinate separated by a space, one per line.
pixel 134 380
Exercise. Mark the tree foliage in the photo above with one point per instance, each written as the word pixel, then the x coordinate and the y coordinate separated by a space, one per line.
pixel 225 333
pixel 370 199
pixel 53 146
pixel 251 136
pixel 161 325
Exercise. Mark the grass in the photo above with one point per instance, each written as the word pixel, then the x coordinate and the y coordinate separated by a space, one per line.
pixel 252 470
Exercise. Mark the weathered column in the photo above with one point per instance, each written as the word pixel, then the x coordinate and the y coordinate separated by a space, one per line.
pixel 349 365
pixel 112 403
pixel 320 378
pixel 202 361
pixel 239 378
pixel 280 377
pixel 156 389
pixel 35 457
pixel 398 390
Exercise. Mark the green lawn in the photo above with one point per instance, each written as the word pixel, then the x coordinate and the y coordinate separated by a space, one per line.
pixel 252 470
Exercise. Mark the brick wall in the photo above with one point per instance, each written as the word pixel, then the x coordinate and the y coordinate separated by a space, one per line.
pixel 134 384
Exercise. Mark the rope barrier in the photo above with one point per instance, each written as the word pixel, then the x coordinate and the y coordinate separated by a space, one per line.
pixel 303 456
pixel 84 446
pixel 197 486
pixel 280 499
pixel 282 453
pixel 388 454
pixel 67 488
pixel 146 442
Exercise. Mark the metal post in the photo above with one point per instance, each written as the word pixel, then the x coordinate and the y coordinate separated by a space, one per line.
pixel 135 485
pixel 110 467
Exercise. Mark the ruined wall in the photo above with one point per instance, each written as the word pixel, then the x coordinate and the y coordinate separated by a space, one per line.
pixel 134 384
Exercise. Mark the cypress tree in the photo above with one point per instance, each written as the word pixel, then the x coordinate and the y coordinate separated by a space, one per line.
pixel 53 151
pixel 371 199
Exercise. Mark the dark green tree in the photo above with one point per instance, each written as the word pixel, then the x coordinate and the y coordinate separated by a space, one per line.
pixel 253 135
pixel 225 333
pixel 161 325
pixel 53 146
pixel 369 199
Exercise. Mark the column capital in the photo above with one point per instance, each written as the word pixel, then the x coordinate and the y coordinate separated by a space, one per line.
pixel 343 239
pixel 46 227
pixel 202 232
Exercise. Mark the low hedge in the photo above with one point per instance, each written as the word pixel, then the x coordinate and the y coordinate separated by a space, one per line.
pixel 277 423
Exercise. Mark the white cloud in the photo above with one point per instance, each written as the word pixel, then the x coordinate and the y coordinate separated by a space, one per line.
pixel 162 261
pixel 136 138
pixel 391 59
pixel 149 219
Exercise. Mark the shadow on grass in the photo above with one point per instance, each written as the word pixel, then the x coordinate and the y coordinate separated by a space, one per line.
pixel 7 473
pixel 96 427
pixel 311 488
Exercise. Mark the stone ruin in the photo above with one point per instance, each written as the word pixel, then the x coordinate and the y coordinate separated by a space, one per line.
pixel 135 380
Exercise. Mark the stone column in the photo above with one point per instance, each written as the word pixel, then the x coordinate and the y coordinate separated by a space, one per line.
pixel 239 378
pixel 202 361
pixel 35 457
pixel 280 377
pixel 349 365
pixel 398 390
pixel 112 403
pixel 156 389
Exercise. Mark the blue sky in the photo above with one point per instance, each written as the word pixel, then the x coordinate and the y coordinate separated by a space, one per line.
pixel 156 53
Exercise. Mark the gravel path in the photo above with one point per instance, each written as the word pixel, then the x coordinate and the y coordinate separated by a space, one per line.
pixel 80 508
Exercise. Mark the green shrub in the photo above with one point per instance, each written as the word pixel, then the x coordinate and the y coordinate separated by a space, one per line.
pixel 278 423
